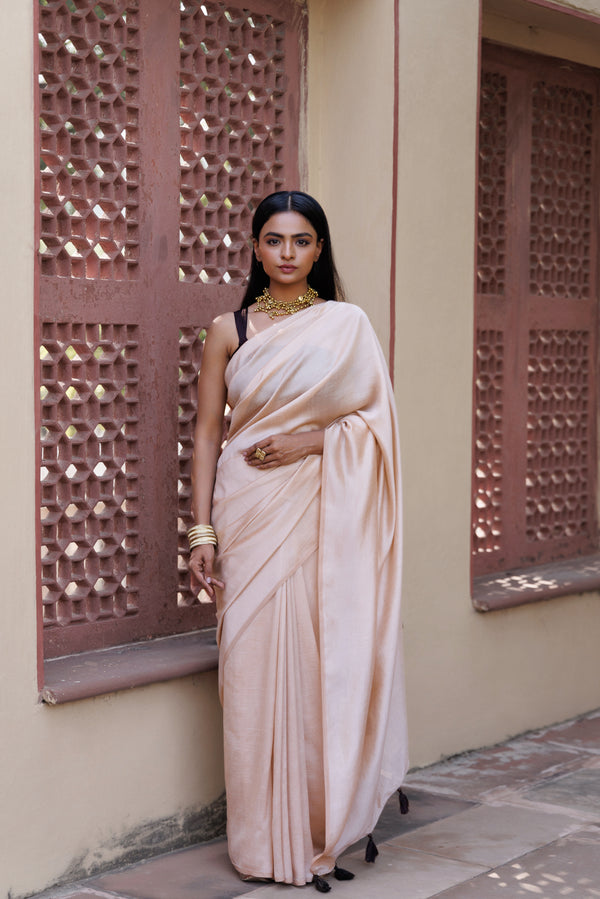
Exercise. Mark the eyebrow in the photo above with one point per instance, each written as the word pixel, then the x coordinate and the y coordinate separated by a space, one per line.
pixel 301 234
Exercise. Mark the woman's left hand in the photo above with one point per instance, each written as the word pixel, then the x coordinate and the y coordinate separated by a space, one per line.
pixel 283 449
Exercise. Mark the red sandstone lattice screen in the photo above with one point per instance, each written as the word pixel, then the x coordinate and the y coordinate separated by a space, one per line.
pixel 232 115
pixel 89 156
pixel 90 465
pixel 534 481
pixel 162 123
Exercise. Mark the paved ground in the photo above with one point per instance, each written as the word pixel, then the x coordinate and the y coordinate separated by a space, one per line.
pixel 521 819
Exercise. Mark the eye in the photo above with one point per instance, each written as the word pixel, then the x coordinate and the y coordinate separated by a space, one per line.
pixel 272 242
pixel 302 242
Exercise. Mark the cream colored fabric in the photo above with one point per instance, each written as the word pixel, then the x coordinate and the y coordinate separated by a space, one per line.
pixel 309 621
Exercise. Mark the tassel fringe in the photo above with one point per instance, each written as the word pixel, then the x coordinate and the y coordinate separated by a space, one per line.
pixel 342 874
pixel 371 852
pixel 404 806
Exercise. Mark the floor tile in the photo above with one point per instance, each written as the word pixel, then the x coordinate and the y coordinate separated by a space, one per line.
pixel 475 775
pixel 584 733
pixel 86 893
pixel 203 872
pixel 78 892
pixel 569 867
pixel 580 790
pixel 425 808
pixel 413 875
pixel 488 835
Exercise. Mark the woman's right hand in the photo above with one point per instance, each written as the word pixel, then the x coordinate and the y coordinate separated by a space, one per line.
pixel 201 567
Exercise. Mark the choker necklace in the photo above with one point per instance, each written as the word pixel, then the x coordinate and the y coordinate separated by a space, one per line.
pixel 266 303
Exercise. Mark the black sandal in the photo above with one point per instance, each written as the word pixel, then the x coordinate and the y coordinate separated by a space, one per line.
pixel 321 884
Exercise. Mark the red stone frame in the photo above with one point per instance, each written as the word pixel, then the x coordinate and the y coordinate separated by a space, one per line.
pixel 535 441
pixel 162 124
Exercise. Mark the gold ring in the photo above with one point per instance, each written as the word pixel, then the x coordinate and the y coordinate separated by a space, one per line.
pixel 260 454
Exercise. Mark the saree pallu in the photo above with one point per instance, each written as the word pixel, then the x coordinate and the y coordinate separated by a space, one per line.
pixel 310 667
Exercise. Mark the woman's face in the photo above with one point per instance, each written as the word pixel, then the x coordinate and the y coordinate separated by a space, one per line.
pixel 287 246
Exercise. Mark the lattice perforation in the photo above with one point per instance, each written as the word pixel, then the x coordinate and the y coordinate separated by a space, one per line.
pixel 561 201
pixel 489 440
pixel 558 443
pixel 88 133
pixel 232 133
pixel 90 462
pixel 491 222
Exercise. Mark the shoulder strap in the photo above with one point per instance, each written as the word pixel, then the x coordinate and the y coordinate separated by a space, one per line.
pixel 241 323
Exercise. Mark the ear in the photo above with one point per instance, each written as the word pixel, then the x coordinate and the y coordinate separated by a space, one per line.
pixel 318 249
pixel 256 250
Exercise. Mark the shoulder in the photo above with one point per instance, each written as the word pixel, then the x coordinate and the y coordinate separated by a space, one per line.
pixel 346 308
pixel 349 312
pixel 222 334
pixel 354 323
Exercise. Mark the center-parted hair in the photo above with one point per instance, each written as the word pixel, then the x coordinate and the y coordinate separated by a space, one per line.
pixel 323 277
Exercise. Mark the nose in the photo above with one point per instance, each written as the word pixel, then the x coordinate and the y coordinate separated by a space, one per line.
pixel 287 249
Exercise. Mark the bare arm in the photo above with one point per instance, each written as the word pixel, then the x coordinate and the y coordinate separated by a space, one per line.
pixel 208 436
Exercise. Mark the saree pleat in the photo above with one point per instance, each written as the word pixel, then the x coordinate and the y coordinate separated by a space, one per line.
pixel 278 761
pixel 310 668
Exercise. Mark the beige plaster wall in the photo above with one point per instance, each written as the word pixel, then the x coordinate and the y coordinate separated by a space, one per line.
pixel 472 678
pixel 350 142
pixel 73 779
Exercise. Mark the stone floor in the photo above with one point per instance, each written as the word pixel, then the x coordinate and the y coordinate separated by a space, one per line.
pixel 520 819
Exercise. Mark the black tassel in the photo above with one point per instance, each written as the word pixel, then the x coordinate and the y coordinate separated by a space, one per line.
pixel 371 852
pixel 321 885
pixel 403 802
pixel 342 874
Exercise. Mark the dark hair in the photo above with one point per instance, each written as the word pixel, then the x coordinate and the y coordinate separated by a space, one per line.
pixel 323 277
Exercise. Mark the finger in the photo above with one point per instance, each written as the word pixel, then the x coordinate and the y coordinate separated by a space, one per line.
pixel 198 576
pixel 263 444
pixel 256 463
pixel 205 586
pixel 206 579
pixel 215 582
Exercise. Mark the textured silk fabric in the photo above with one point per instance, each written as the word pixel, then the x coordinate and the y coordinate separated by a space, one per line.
pixel 310 666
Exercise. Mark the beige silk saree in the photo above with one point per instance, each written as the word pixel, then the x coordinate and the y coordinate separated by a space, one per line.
pixel 310 668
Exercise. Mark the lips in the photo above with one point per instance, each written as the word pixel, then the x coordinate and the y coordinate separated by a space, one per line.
pixel 287 269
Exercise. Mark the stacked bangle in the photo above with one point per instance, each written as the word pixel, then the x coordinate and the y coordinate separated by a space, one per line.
pixel 200 534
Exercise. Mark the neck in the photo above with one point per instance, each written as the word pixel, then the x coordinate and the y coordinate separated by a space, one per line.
pixel 287 293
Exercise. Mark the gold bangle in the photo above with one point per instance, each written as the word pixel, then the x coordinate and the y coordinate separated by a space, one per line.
pixel 201 529
pixel 202 541
pixel 201 534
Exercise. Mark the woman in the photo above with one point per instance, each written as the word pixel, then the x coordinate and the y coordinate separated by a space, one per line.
pixel 304 499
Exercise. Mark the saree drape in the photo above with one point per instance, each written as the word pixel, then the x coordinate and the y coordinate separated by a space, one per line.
pixel 310 666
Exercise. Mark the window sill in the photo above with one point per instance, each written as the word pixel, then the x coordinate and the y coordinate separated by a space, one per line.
pixel 524 585
pixel 103 671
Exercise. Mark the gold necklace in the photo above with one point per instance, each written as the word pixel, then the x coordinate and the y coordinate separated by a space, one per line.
pixel 266 303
